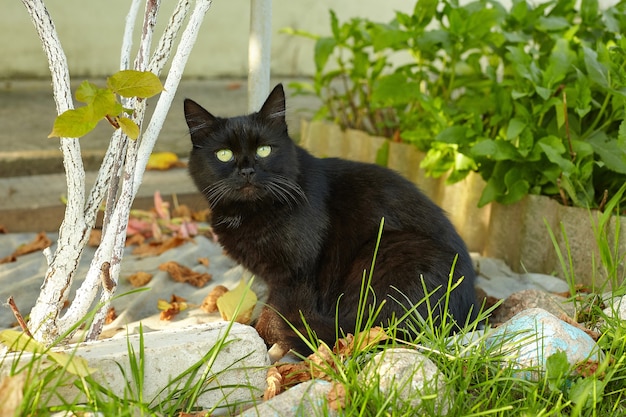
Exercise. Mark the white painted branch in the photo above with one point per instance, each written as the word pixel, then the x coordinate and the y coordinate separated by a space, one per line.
pixel 46 325
pixel 179 61
pixel 259 52
pixel 112 247
pixel 127 40
pixel 72 234
pixel 166 44
pixel 118 208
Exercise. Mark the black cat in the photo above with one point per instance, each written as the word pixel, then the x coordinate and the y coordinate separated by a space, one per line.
pixel 308 227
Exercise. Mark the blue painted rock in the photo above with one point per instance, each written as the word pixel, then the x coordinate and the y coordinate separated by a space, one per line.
pixel 533 335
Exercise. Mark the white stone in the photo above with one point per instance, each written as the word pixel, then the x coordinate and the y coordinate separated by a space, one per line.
pixel 616 306
pixel 411 376
pixel 309 398
pixel 530 337
pixel 239 370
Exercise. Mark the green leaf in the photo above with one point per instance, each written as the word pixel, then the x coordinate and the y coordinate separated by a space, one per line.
pixel 597 72
pixel 559 64
pixel 554 149
pixel 498 150
pixel 552 24
pixel 589 11
pixel 132 83
pixel 613 156
pixel 129 127
pixel 453 134
pixel 586 391
pixel 394 89
pixel 516 186
pixel 621 135
pixel 324 47
pixel 557 368
pixel 382 154
pixel 515 127
pixel 74 123
pixel 491 191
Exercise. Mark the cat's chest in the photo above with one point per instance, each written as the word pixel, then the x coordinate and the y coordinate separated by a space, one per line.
pixel 277 245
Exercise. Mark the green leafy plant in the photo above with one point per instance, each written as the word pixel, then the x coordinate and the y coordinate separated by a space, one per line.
pixel 102 103
pixel 531 97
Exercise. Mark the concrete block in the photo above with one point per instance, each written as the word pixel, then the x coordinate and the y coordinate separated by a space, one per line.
pixel 518 235
pixel 238 372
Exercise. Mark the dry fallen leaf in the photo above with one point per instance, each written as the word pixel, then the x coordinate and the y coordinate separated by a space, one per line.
pixel 204 261
pixel 181 273
pixel 201 216
pixel 365 339
pixel 294 373
pixel 40 242
pixel 170 308
pixel 3 229
pixel 209 304
pixel 139 279
pixel 111 316
pixel 135 239
pixel 182 211
pixel 157 248
pixel 337 396
pixel 163 161
pixel 12 393
pixel 240 297
pixel 95 237
pixel 274 381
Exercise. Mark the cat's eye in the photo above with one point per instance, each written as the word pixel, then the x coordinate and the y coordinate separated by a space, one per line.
pixel 263 151
pixel 224 155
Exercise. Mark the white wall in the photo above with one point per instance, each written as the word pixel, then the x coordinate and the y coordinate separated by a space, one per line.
pixel 91 34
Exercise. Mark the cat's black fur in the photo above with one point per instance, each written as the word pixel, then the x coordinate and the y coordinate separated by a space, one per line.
pixel 308 226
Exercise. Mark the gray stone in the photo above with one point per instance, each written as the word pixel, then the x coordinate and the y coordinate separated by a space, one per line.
pixel 306 399
pixel 532 298
pixel 411 376
pixel 498 280
pixel 532 336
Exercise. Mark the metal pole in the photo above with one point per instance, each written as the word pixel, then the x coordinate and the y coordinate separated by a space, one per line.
pixel 259 47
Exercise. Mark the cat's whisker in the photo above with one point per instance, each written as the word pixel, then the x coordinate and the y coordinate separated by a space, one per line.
pixel 216 192
pixel 290 188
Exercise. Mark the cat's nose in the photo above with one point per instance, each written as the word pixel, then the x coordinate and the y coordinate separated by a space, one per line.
pixel 247 173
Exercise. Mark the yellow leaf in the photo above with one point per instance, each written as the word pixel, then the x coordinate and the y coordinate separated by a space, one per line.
pixel 20 342
pixel 74 123
pixel 162 160
pixel 129 127
pixel 132 83
pixel 73 364
pixel 163 305
pixel 240 301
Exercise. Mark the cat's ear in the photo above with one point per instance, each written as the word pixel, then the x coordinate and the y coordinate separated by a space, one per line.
pixel 197 117
pixel 273 109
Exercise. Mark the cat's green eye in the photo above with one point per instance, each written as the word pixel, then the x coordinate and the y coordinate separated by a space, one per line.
pixel 224 155
pixel 263 151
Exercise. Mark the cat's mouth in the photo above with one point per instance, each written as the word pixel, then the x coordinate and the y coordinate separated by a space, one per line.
pixel 249 191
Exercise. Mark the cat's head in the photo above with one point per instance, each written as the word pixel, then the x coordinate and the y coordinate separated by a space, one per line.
pixel 245 158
